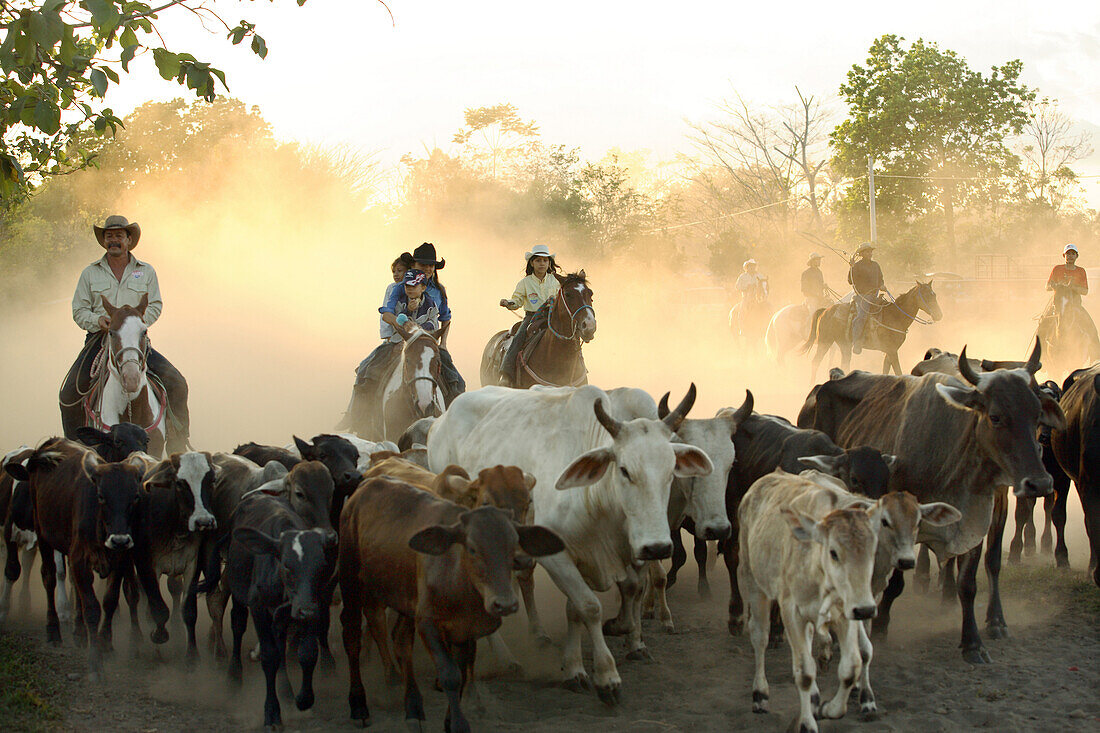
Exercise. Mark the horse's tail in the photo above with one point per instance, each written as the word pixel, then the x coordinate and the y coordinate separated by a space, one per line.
pixel 815 327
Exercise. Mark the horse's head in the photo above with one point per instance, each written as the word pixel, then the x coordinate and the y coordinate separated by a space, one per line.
pixel 128 342
pixel 579 318
pixel 421 372
pixel 926 300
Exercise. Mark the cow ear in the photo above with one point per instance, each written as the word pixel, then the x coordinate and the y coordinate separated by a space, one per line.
pixel 437 539
pixel 939 514
pixel 138 460
pixel 453 487
pixel 1051 414
pixel 161 474
pixel 690 461
pixel 89 436
pixel 891 461
pixel 90 462
pixel 538 541
pixel 273 471
pixel 586 469
pixel 304 448
pixel 329 539
pixel 826 464
pixel 256 541
pixel 964 398
pixel 803 528
pixel 529 480
pixel 17 471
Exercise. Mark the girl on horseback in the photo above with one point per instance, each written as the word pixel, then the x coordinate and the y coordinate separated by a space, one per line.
pixel 535 290
pixel 424 260
pixel 409 306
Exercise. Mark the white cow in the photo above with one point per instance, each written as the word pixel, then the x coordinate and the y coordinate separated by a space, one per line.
pixel 602 485
pixel 816 563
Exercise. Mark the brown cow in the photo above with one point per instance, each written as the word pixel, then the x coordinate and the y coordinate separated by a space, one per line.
pixel 88 510
pixel 956 441
pixel 446 571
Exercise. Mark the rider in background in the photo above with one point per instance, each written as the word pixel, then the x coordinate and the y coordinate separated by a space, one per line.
pixel 1076 282
pixel 865 277
pixel 749 279
pixel 534 291
pixel 813 284
pixel 122 279
pixel 424 260
pixel 398 268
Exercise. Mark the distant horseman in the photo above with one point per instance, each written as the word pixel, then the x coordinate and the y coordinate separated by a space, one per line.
pixel 865 276
pixel 123 280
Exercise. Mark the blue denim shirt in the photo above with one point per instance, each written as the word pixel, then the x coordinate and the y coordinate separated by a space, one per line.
pixel 432 291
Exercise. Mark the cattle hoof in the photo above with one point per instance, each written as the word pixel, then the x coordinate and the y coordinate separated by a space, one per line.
pixel 158 635
pixel 610 695
pixel 759 702
pixel 735 627
pixel 868 711
pixel 579 683
pixel 920 583
pixel 414 726
pixel 1014 558
pixel 669 627
pixel 1061 560
pixel 53 636
pixel 614 627
pixel 639 655
pixel 998 631
pixel 977 656
pixel 359 709
pixel 304 701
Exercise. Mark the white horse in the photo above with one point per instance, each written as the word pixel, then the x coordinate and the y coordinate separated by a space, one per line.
pixel 788 328
pixel 127 394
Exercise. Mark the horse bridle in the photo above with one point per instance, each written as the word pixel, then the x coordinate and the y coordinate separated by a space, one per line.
pixel 572 317
pixel 436 386
pixel 118 359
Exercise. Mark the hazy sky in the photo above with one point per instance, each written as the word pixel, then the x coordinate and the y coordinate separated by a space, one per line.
pixel 597 74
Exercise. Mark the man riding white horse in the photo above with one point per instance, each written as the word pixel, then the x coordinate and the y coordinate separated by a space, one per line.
pixel 813 285
pixel 122 280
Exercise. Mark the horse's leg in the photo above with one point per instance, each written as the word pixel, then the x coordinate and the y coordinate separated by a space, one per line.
pixel 1048 522
pixel 1058 516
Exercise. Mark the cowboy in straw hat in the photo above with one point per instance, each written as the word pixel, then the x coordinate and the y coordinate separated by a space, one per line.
pixel 425 260
pixel 865 277
pixel 813 284
pixel 538 286
pixel 123 280
pixel 749 279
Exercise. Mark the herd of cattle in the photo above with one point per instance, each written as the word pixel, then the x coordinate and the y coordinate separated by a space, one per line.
pixel 816 523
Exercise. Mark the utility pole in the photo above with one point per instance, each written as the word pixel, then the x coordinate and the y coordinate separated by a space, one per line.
pixel 871 186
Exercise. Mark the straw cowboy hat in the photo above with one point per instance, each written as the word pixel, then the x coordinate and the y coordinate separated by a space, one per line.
pixel 539 250
pixel 118 222
pixel 813 256
pixel 863 247
pixel 425 255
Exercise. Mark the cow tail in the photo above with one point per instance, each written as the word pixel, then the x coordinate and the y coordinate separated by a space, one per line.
pixel 815 324
pixel 212 573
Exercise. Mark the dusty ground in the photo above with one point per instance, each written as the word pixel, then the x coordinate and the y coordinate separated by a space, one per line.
pixel 1044 677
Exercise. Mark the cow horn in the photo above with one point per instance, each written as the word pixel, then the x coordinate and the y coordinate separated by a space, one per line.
pixel 674 418
pixel 610 424
pixel 744 410
pixel 1033 363
pixel 965 369
pixel 662 407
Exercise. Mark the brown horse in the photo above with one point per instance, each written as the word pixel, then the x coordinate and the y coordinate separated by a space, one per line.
pixel 555 360
pixel 886 331
pixel 125 393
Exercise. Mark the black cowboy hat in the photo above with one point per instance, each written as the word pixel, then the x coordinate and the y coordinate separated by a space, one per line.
pixel 118 222
pixel 425 255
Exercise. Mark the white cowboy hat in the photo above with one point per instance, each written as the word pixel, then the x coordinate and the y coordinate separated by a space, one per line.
pixel 1071 247
pixel 813 256
pixel 864 246
pixel 747 263
pixel 539 250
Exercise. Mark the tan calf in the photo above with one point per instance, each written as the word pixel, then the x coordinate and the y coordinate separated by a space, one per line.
pixel 813 561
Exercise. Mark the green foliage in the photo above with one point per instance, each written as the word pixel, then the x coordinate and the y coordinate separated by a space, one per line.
pixel 60 59
pixel 930 120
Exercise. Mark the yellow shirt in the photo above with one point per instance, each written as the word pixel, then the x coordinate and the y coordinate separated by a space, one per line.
pixel 97 280
pixel 532 294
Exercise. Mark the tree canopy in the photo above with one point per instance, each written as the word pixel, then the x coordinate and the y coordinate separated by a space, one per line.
pixel 60 58
pixel 935 128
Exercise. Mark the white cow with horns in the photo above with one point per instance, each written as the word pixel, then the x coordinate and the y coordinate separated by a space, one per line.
pixel 602 485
